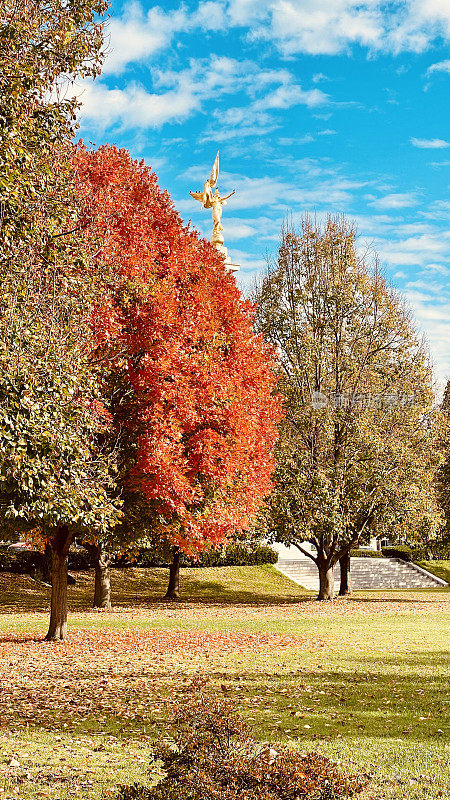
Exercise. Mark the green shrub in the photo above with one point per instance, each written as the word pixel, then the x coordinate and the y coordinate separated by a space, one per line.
pixel 360 553
pixel 234 555
pixel 19 563
pixel 399 551
pixel 31 562
pixel 237 554
pixel 433 551
pixel 212 757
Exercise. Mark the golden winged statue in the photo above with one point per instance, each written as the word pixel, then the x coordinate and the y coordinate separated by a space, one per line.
pixel 216 202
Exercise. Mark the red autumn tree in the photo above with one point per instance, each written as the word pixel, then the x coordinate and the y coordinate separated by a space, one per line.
pixel 191 386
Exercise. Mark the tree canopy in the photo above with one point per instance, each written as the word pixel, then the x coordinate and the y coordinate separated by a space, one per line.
pixel 355 449
pixel 55 477
pixel 44 46
pixel 190 384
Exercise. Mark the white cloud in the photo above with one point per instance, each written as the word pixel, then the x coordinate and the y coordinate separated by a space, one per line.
pixel 238 229
pixel 440 209
pixel 428 286
pixel 430 144
pixel 317 27
pixel 412 228
pixel 319 76
pixel 210 16
pixel 134 107
pixel 395 200
pixel 309 190
pixel 294 26
pixel 225 134
pixel 175 95
pixel 258 117
pixel 440 66
pixel 412 251
pixel 290 95
pixel 433 316
pixel 439 269
pixel 138 35
pixel 328 28
pixel 181 94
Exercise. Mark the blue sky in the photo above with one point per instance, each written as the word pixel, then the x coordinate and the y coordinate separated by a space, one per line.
pixel 317 106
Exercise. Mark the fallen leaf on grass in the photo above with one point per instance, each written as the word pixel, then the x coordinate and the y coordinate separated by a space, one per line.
pixel 112 674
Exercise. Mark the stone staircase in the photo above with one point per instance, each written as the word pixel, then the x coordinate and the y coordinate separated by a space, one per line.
pixel 366 573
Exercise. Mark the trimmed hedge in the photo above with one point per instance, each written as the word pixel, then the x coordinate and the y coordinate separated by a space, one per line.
pixel 401 551
pixel 360 553
pixel 235 555
pixel 19 563
pixel 29 561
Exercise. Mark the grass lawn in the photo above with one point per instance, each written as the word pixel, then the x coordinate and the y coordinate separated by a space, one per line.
pixel 439 568
pixel 363 680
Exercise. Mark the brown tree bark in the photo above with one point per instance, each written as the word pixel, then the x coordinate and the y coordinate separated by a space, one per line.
pixel 102 590
pixel 345 583
pixel 173 589
pixel 60 544
pixel 326 581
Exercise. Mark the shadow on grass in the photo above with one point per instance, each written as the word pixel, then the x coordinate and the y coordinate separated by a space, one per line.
pixel 145 588
pixel 398 705
pixel 388 596
pixel 12 639
pixel 317 704
pixel 202 591
pixel 227 586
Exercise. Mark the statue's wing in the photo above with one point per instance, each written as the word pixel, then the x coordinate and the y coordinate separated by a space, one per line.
pixel 197 196
pixel 215 171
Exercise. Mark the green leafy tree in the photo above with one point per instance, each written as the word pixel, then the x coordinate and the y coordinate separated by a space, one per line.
pixel 57 469
pixel 356 441
pixel 443 479
pixel 44 46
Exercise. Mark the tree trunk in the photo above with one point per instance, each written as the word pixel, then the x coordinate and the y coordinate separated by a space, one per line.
pixel 346 583
pixel 102 591
pixel 173 589
pixel 326 582
pixel 58 609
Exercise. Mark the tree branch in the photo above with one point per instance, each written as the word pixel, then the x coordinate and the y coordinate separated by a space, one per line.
pixel 305 552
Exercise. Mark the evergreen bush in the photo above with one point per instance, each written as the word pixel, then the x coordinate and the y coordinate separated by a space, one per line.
pixel 401 551
pixel 237 554
pixel 19 563
pixel 234 555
